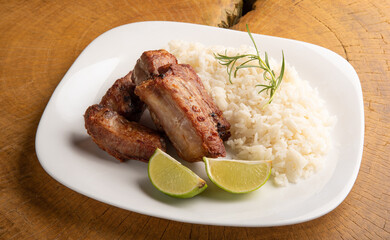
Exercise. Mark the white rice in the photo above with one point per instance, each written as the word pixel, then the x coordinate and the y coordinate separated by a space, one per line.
pixel 293 131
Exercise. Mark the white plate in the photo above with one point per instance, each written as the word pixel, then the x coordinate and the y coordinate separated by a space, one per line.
pixel 68 154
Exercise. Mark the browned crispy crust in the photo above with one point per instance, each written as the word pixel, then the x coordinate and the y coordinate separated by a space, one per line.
pixel 149 63
pixel 161 63
pixel 187 72
pixel 119 137
pixel 120 97
pixel 178 103
pixel 184 116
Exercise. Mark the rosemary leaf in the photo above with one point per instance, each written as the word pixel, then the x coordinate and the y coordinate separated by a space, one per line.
pixel 268 74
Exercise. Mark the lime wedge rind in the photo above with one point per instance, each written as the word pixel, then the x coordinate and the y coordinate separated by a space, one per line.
pixel 192 193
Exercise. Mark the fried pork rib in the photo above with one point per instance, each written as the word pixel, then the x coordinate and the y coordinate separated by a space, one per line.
pixel 181 111
pixel 149 63
pixel 121 99
pixel 162 63
pixel 119 137
pixel 187 73
pixel 178 103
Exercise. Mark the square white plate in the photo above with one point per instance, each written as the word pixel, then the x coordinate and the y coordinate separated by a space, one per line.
pixel 68 154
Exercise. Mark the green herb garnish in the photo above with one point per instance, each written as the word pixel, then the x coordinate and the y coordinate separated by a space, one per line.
pixel 269 74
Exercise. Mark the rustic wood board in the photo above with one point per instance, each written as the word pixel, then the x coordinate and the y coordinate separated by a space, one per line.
pixel 41 39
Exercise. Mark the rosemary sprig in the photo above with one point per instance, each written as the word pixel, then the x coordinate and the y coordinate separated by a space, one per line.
pixel 268 75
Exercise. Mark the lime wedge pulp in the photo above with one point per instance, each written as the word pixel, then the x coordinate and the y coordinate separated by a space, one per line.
pixel 172 178
pixel 237 176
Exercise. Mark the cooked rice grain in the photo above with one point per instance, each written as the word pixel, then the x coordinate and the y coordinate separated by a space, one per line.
pixel 293 131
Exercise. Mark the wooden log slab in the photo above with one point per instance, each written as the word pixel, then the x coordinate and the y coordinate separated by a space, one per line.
pixel 39 41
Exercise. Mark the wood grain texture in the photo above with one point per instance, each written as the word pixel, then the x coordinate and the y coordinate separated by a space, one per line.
pixel 41 39
pixel 360 32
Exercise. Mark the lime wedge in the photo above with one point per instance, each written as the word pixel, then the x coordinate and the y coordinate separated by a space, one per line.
pixel 237 176
pixel 172 178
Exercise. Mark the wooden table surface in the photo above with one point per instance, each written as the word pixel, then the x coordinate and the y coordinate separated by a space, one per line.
pixel 40 40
